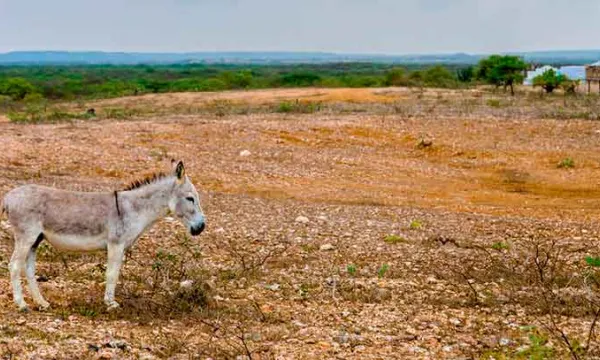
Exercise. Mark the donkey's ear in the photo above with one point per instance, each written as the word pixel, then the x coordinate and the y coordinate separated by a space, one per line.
pixel 180 171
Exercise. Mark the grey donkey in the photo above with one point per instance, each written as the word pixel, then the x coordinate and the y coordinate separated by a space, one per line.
pixel 90 221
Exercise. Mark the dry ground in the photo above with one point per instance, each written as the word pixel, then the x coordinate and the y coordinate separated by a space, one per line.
pixel 438 225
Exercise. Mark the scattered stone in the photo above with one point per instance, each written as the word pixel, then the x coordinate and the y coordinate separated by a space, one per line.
pixel 447 348
pixel 186 284
pixel 432 280
pixel 302 220
pixel 327 247
pixel 116 344
pixel 245 153
pixel 455 322
pixel 342 338
pixel 504 342
pixel 273 287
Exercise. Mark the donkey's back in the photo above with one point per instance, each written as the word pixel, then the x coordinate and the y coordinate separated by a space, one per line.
pixel 60 216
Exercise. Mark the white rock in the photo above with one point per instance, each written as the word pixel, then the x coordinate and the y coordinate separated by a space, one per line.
pixel 302 220
pixel 245 153
pixel 186 284
pixel 504 342
pixel 447 348
pixel 322 218
pixel 273 287
pixel 220 230
pixel 327 247
pixel 455 321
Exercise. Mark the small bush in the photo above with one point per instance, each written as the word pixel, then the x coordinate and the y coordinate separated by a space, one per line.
pixel 383 270
pixel 566 163
pixel 415 224
pixel 593 261
pixel 351 269
pixel 394 239
pixel 499 246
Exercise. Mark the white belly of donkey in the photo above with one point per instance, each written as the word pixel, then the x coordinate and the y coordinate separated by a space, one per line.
pixel 66 242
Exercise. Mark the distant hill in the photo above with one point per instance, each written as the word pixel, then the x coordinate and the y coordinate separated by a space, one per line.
pixel 574 57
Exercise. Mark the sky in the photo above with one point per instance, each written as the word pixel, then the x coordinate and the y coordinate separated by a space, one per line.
pixel 343 26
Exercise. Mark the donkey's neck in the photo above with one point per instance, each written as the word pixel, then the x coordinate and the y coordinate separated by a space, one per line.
pixel 148 203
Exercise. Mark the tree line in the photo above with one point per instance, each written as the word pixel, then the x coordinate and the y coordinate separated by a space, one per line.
pixel 83 82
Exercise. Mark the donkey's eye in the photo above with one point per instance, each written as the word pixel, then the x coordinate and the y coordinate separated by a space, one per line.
pixel 190 199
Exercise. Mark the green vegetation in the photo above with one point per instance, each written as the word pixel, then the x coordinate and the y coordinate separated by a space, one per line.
pixel 566 163
pixel 499 70
pixel 593 261
pixel 499 246
pixel 394 239
pixel 383 270
pixel 415 224
pixel 549 80
pixel 351 268
pixel 105 81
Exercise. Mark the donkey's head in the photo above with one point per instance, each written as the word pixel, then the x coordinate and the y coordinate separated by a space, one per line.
pixel 185 202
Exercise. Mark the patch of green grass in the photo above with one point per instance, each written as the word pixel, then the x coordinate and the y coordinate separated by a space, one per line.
pixel 538 350
pixel 351 268
pixel 394 239
pixel 383 269
pixel 499 246
pixel 415 224
pixel 593 261
pixel 566 163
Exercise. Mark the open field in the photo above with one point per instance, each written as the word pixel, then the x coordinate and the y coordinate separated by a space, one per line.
pixel 439 224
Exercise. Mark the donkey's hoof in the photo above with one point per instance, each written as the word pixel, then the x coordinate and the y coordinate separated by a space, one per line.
pixel 44 307
pixel 23 309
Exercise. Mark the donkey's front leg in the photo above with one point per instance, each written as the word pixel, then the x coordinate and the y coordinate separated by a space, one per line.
pixel 116 252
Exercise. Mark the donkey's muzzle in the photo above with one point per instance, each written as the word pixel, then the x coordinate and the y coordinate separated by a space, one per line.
pixel 197 230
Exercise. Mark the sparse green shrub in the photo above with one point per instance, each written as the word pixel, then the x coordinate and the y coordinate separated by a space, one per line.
pixel 383 269
pixel 394 239
pixel 351 268
pixel 593 261
pixel 566 163
pixel 416 224
pixel 499 246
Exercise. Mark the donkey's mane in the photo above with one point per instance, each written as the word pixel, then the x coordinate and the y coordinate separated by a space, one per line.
pixel 150 179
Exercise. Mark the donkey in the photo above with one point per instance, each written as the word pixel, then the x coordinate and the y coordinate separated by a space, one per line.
pixel 89 221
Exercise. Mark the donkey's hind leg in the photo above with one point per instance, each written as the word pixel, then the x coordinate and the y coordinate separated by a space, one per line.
pixel 34 290
pixel 17 265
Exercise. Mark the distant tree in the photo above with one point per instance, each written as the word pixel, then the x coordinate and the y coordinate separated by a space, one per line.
pixel 466 74
pixel 549 80
pixel 298 79
pixel 16 88
pixel 502 70
pixel 396 77
pixel 439 76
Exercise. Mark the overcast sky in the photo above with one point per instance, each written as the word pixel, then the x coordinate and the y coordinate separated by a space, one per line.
pixel 348 26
